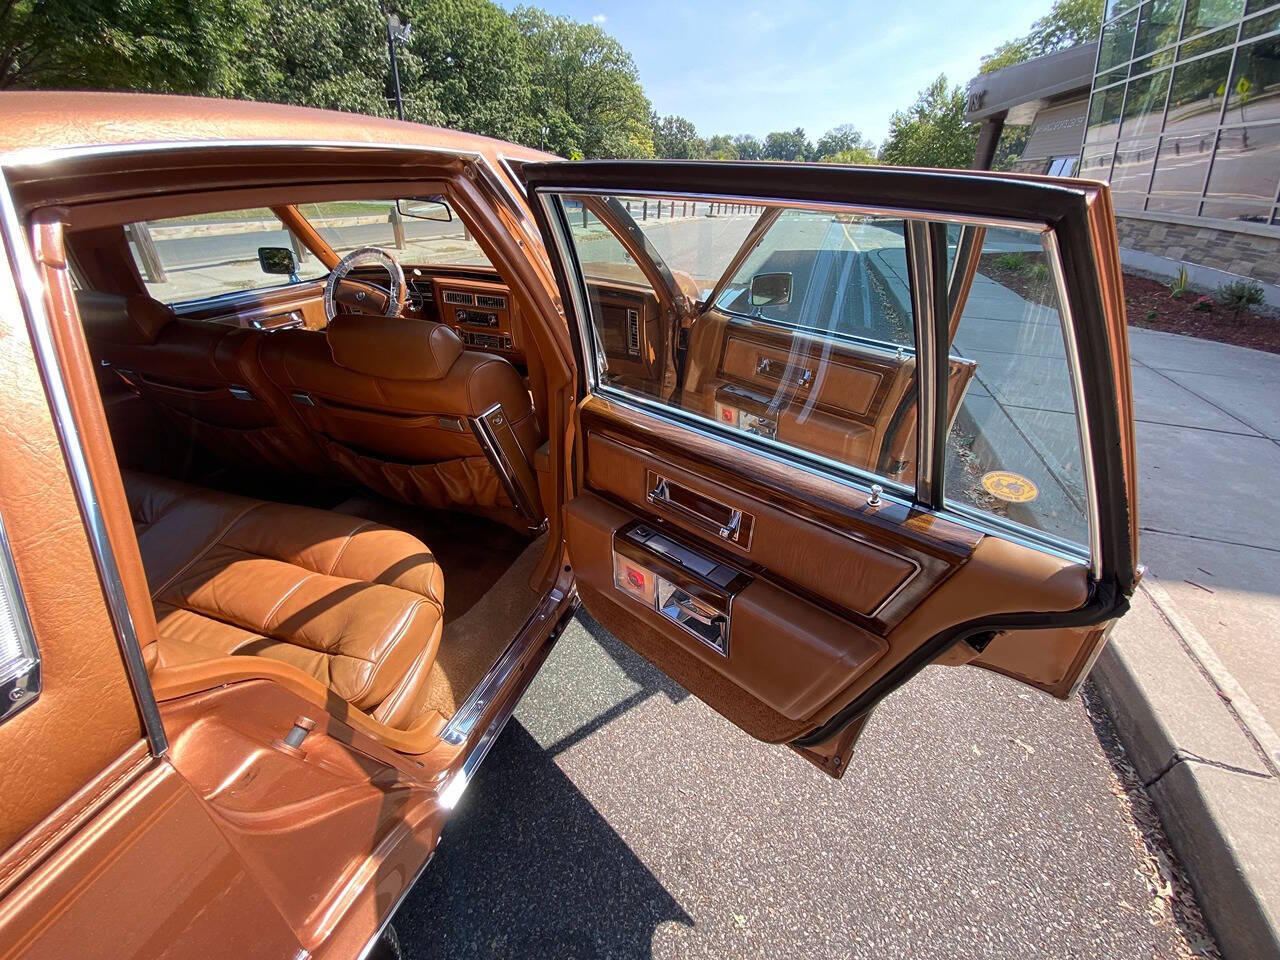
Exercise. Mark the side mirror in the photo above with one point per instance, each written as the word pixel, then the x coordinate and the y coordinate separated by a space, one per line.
pixel 770 289
pixel 425 208
pixel 277 260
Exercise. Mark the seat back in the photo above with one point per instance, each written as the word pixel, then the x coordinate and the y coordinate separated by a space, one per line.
pixel 205 376
pixel 400 406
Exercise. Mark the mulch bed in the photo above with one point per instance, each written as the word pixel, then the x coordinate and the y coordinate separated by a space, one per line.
pixel 1150 306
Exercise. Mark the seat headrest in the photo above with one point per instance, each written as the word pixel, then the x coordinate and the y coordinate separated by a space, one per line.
pixel 397 348
pixel 113 318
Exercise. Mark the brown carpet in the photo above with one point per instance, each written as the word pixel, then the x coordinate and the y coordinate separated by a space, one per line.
pixel 474 552
pixel 472 643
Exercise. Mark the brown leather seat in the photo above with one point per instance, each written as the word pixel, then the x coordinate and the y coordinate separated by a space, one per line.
pixel 356 605
pixel 394 402
pixel 203 375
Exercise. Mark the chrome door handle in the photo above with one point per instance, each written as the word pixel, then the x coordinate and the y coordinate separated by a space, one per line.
pixel 660 496
pixel 685 606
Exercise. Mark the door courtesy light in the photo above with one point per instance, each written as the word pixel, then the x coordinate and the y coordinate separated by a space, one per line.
pixel 19 659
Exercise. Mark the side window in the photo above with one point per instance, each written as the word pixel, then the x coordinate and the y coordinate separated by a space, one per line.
pixel 1013 451
pixel 210 254
pixel 418 231
pixel 797 329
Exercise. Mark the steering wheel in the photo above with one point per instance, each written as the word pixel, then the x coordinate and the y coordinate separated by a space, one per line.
pixel 344 294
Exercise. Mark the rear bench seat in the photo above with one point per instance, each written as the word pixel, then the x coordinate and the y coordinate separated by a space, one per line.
pixel 356 605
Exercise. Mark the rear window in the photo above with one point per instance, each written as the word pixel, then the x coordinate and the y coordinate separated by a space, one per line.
pixel 211 254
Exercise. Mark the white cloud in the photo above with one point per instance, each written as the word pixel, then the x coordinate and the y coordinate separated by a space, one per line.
pixel 599 18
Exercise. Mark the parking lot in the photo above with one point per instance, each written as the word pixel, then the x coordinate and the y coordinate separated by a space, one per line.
pixel 619 817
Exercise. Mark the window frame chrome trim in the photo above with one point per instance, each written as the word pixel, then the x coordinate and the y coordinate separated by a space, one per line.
pixel 31 293
pixel 923 297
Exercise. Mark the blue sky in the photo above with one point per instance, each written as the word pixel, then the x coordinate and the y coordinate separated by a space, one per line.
pixel 752 67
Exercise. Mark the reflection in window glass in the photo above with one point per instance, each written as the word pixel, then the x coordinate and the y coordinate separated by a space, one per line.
pixel 1207 42
pixel 1117 41
pixel 809 343
pixel 1197 92
pixel 1096 162
pixel 1132 172
pixel 1235 210
pixel 1115 7
pixel 1144 106
pixel 1104 114
pixel 1247 165
pixel 1253 6
pixel 1204 15
pixel 1014 447
pixel 437 236
pixel 1153 62
pixel 211 254
pixel 1260 25
pixel 1181 166
pixel 1254 93
pixel 1157 25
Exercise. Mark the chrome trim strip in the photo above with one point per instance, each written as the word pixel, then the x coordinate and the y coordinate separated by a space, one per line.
pixel 391 914
pixel 1054 255
pixel 488 441
pixel 920 269
pixel 897 213
pixel 20 691
pixel 567 255
pixel 468 715
pixel 511 173
pixel 30 290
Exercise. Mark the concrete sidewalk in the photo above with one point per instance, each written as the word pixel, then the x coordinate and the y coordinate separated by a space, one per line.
pixel 1192 676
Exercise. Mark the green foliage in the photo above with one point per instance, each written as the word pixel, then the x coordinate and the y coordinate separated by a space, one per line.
pixel 932 132
pixel 584 87
pixel 1012 261
pixel 1039 271
pixel 748 147
pixel 787 145
pixel 1238 295
pixel 863 156
pixel 675 138
pixel 721 147
pixel 1013 138
pixel 1181 285
pixel 1068 22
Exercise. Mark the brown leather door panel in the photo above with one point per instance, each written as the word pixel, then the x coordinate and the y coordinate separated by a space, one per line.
pixel 290 305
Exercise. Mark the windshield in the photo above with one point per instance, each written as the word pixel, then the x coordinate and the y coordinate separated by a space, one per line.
pixel 441 239
pixel 836 267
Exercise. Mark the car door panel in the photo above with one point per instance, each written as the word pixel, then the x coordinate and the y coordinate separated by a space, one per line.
pixel 833 593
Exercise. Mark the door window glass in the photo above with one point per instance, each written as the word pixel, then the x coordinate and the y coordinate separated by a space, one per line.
pixel 210 254
pixel 435 235
pixel 1013 450
pixel 796 327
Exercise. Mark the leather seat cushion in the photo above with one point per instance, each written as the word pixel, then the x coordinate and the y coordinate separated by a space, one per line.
pixel 355 604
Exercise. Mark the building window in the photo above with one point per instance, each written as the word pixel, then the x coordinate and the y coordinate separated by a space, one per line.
pixel 1117 41
pixel 1246 169
pixel 1204 15
pixel 1195 98
pixel 1181 167
pixel 1158 23
pixel 1131 175
pixel 1062 166
pixel 1104 114
pixel 1254 93
pixel 1144 105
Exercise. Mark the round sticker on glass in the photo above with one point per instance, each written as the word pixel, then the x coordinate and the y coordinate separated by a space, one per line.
pixel 1012 487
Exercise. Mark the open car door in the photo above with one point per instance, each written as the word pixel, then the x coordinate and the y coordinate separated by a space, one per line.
pixel 884 421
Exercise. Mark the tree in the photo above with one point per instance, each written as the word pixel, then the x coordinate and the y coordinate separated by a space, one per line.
pixel 1068 23
pixel 787 145
pixel 584 88
pixel 932 132
pixel 863 156
pixel 675 138
pixel 722 147
pixel 464 67
pixel 842 139
pixel 174 46
pixel 748 147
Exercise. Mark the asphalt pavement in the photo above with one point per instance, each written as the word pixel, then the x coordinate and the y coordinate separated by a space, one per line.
pixel 619 817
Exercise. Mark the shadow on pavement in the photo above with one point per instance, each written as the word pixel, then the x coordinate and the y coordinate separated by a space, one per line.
pixel 527 867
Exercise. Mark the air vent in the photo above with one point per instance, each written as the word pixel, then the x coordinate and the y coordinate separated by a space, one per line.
pixel 494 303
pixel 633 331
pixel 465 299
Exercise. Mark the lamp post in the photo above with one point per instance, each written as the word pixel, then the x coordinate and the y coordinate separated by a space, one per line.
pixel 397 32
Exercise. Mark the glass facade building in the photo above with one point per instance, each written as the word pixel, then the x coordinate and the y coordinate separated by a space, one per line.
pixel 1184 116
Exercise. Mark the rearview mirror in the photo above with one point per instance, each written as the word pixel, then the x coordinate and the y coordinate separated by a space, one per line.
pixel 277 260
pixel 425 208
pixel 770 289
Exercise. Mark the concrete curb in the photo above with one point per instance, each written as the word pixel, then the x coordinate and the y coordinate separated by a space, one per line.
pixel 1217 794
